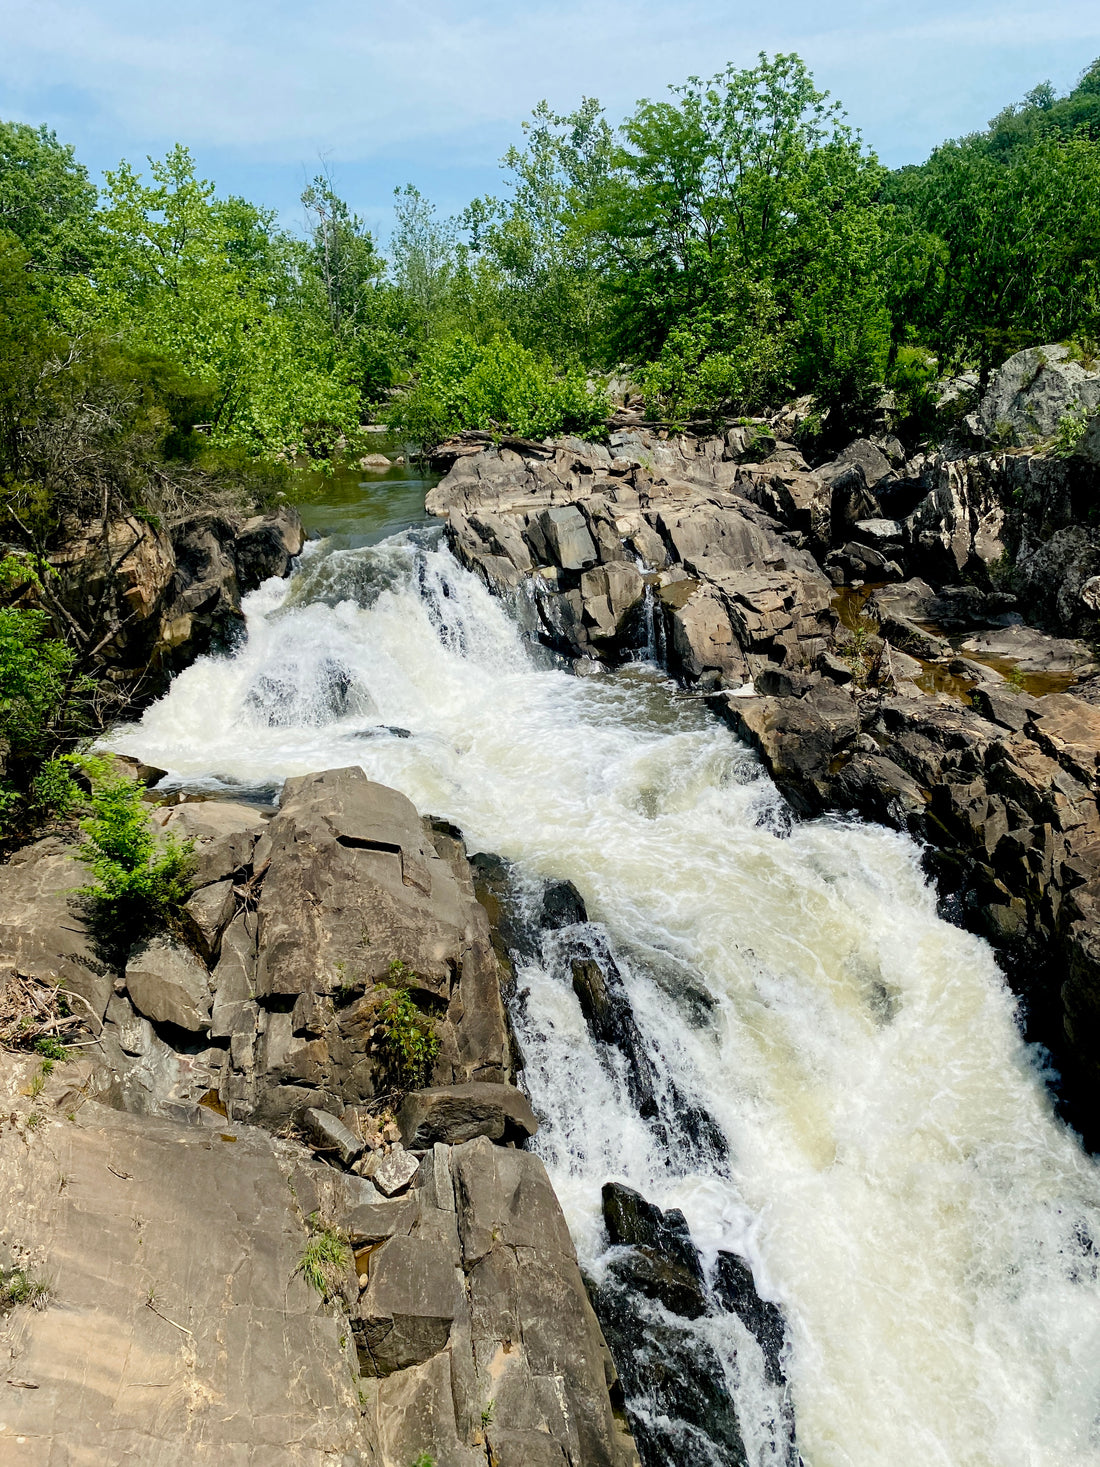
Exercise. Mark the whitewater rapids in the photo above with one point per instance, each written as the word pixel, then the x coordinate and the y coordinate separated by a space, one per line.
pixel 896 1175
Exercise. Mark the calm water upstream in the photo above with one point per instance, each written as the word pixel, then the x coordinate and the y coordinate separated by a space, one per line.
pixel 896 1176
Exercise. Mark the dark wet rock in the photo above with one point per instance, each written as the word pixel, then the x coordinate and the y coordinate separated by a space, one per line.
pixel 458 1113
pixel 734 1290
pixel 562 906
pixel 657 1277
pixel 688 1413
pixel 632 1221
pixel 265 546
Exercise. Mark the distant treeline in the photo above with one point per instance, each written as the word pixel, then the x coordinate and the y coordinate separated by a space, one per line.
pixel 727 247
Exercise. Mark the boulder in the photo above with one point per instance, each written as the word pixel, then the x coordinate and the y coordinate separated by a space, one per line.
pixel 1031 651
pixel 265 546
pixel 331 1135
pixel 207 913
pixel 610 593
pixel 561 906
pixel 1033 391
pixel 567 538
pixel 734 1290
pixel 460 1112
pixel 169 985
pixel 393 1171
pixel 42 932
pixel 870 459
pixel 850 500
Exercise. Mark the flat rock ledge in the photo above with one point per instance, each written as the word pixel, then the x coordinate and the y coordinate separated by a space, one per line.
pixel 163 1190
pixel 851 623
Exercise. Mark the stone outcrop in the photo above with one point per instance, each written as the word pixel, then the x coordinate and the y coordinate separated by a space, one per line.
pixel 180 1325
pixel 905 705
pixel 457 1324
pixel 473 1326
pixel 157 597
pixel 1032 392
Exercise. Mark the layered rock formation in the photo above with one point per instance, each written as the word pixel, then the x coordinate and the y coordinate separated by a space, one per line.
pixel 929 704
pixel 457 1324
pixel 148 599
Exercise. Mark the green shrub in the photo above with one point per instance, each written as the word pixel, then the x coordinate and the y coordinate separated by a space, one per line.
pixel 17 1286
pixel 1071 429
pixel 718 363
pixel 913 378
pixel 52 1048
pixel 325 1260
pixel 40 696
pixel 140 884
pixel 408 1036
pixel 499 387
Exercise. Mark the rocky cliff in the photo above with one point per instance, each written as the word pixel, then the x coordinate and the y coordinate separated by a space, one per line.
pixel 907 638
pixel 176 1248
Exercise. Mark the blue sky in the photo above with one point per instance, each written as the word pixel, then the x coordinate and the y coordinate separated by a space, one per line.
pixel 432 91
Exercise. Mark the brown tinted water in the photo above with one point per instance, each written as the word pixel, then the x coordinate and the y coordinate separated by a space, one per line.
pixel 849 603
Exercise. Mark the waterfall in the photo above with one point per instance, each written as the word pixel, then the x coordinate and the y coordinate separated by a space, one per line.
pixel 889 1163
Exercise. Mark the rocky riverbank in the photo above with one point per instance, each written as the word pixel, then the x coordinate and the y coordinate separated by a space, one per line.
pixel 907 638
pixel 141 600
pixel 457 1325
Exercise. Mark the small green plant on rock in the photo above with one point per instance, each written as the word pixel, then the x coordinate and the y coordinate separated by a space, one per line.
pixel 862 651
pixel 17 1286
pixel 408 1036
pixel 325 1259
pixel 1071 429
pixel 140 884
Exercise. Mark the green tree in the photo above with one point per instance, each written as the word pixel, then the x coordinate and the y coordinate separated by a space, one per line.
pixel 46 199
pixel 204 282
pixel 1021 244
pixel 423 250
pixel 533 263
pixel 350 313
pixel 747 201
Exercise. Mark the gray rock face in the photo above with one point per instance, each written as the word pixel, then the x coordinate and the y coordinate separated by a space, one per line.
pixel 169 985
pixel 1058 579
pixel 42 936
pixel 460 1112
pixel 330 1134
pixel 207 1346
pixel 567 539
pixel 1033 391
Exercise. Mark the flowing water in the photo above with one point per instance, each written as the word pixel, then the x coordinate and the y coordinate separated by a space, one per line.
pixel 894 1172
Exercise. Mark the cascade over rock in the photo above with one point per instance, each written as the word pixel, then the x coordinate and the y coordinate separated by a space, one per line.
pixel 741 606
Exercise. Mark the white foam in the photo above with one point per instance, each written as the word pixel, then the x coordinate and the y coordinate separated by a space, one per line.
pixel 897 1178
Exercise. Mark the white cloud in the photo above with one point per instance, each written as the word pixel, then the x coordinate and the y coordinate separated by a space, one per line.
pixel 361 79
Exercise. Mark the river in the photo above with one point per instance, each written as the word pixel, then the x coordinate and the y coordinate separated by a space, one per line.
pixel 895 1176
